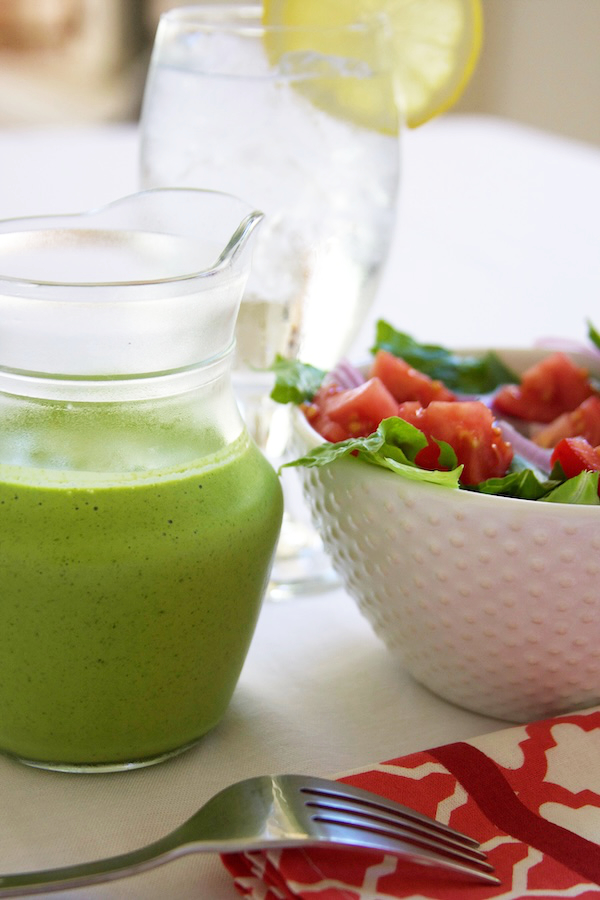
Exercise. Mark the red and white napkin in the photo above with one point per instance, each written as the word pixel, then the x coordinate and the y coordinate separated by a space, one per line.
pixel 529 794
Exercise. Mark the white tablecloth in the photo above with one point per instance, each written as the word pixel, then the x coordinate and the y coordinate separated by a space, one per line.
pixel 497 242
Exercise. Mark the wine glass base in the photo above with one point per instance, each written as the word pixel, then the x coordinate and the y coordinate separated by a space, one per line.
pixel 301 565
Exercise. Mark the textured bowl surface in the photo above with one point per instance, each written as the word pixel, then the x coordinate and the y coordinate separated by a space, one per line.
pixel 491 602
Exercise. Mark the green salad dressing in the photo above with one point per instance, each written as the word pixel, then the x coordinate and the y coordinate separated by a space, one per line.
pixel 127 603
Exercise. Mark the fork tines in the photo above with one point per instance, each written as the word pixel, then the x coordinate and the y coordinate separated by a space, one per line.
pixel 408 832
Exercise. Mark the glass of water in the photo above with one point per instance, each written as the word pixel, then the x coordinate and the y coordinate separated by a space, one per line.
pixel 302 123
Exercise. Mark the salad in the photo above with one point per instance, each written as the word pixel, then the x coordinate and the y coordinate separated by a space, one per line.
pixel 466 422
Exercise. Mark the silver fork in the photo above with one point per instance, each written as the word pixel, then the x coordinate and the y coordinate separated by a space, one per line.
pixel 281 811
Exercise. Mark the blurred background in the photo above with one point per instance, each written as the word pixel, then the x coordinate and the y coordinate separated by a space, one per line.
pixel 81 61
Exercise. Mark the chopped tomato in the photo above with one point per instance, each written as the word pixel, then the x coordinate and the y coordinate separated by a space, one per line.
pixel 581 422
pixel 576 455
pixel 318 419
pixel 406 383
pixel 321 398
pixel 331 431
pixel 555 393
pixel 360 410
pixel 409 411
pixel 469 427
pixel 549 388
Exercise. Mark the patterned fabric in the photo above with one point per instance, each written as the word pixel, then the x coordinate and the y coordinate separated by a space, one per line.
pixel 529 794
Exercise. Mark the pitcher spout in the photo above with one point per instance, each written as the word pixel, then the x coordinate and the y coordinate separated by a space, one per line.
pixel 240 241
pixel 216 225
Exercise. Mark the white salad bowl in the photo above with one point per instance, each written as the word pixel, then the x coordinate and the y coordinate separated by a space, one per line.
pixel 491 602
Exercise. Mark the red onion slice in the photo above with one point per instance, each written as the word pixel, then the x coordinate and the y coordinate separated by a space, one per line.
pixel 345 375
pixel 525 448
pixel 588 352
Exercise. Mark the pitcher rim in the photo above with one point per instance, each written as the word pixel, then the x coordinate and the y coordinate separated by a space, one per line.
pixel 245 225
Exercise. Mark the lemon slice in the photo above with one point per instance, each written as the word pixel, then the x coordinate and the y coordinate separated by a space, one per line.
pixel 435 44
pixel 339 70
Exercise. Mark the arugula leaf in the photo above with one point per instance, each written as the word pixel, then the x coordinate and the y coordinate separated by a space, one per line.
pixel 465 374
pixel 582 488
pixel 393 446
pixel 529 484
pixel 295 381
pixel 593 335
pixel 525 484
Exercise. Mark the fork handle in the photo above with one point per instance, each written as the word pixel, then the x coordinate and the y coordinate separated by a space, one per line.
pixel 170 847
pixel 68 877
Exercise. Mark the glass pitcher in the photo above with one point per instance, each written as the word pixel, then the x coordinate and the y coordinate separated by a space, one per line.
pixel 139 520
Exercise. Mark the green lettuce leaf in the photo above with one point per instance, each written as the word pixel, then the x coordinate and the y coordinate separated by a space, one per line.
pixel 465 374
pixel 393 446
pixel 295 381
